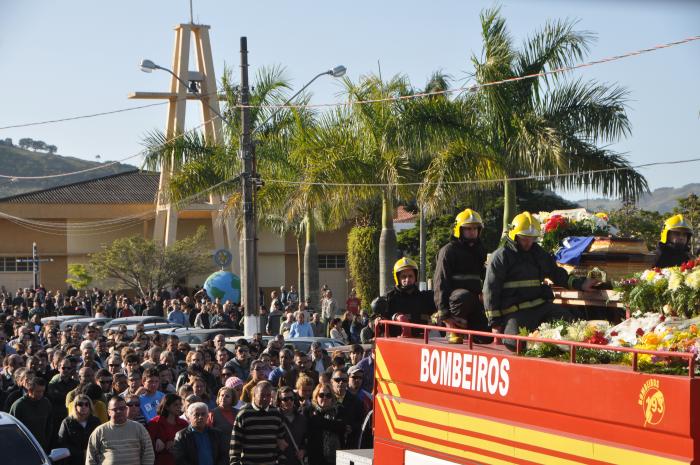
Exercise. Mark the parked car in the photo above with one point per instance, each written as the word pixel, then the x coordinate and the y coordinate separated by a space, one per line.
pixel 19 447
pixel 150 328
pixel 134 320
pixel 302 344
pixel 60 319
pixel 196 336
pixel 84 321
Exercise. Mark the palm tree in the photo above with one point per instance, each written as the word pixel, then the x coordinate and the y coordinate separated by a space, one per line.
pixel 542 126
pixel 379 143
pixel 321 155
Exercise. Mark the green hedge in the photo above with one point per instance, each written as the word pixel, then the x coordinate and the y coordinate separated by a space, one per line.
pixel 363 261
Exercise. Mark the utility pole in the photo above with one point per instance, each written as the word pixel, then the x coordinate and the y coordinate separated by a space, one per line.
pixel 35 260
pixel 421 248
pixel 249 274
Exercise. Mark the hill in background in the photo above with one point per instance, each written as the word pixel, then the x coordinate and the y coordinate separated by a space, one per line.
pixel 15 161
pixel 662 200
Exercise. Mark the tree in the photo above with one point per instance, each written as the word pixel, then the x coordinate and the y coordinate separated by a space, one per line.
pixel 51 149
pixel 636 223
pixel 363 262
pixel 38 145
pixel 377 130
pixel 544 126
pixel 142 265
pixel 25 143
pixel 80 277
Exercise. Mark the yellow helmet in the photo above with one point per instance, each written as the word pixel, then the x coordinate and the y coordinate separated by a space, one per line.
pixel 404 264
pixel 674 223
pixel 464 218
pixel 525 224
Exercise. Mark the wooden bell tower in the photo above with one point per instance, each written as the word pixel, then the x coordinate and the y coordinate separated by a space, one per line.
pixel 165 228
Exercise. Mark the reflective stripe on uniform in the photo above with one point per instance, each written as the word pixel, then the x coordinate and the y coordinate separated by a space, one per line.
pixel 514 308
pixel 522 283
pixel 466 277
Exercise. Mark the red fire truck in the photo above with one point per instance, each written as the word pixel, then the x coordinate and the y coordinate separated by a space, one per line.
pixel 438 403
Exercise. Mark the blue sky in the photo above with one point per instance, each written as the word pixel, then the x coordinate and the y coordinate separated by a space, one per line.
pixel 75 57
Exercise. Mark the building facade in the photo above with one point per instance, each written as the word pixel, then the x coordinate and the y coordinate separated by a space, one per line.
pixel 70 222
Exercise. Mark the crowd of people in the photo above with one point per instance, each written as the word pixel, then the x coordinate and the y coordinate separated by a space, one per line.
pixel 112 397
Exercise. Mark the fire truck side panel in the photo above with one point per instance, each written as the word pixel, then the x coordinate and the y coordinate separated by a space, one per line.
pixel 490 406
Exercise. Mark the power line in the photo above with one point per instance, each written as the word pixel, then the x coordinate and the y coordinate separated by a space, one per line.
pixel 485 181
pixel 472 88
pixel 477 87
pixel 92 115
pixel 105 165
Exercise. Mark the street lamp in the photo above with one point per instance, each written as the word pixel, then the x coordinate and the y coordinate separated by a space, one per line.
pixel 148 66
pixel 248 175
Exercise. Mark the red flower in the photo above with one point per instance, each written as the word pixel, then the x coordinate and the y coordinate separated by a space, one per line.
pixel 613 333
pixel 662 318
pixel 555 222
pixel 640 332
pixel 597 338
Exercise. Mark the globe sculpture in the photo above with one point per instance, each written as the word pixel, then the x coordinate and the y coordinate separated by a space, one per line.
pixel 223 285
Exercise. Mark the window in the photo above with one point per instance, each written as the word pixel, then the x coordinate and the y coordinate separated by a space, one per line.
pixel 23 451
pixel 331 262
pixel 10 264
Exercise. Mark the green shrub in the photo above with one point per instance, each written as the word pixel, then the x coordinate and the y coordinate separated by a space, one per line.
pixel 363 261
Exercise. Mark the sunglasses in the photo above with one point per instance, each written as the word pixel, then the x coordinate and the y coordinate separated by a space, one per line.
pixel 286 399
pixel 226 373
pixel 82 404
pixel 133 404
pixel 105 381
pixel 325 395
pixel 117 365
pixel 340 380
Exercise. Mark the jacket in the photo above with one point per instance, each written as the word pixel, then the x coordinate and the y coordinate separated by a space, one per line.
pixel 514 279
pixel 72 435
pixel 418 305
pixel 185 447
pixel 667 255
pixel 460 265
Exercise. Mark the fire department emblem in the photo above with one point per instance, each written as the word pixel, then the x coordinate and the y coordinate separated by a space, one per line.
pixel 652 401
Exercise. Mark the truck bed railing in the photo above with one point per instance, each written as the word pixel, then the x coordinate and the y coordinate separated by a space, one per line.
pixel 573 346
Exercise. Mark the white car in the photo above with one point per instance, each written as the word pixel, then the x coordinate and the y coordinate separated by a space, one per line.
pixel 19 447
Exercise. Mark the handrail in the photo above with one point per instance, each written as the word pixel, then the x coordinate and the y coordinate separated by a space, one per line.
pixel 573 344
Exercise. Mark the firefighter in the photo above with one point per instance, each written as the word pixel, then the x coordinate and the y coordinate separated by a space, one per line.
pixel 514 293
pixel 405 302
pixel 459 273
pixel 674 247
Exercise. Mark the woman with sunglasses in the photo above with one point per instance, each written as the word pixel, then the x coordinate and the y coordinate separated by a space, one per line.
pixel 223 416
pixel 296 425
pixel 327 427
pixel 163 427
pixel 76 428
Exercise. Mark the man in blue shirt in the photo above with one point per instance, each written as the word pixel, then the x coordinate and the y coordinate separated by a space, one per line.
pixel 150 400
pixel 199 444
pixel 300 328
pixel 176 315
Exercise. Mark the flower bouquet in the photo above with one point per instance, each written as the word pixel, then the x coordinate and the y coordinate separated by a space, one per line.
pixel 558 225
pixel 657 332
pixel 675 291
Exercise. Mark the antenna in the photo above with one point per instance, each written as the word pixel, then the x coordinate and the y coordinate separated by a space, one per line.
pixel 191 20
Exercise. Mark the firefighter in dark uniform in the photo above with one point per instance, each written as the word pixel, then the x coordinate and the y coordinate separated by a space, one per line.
pixel 405 302
pixel 459 273
pixel 514 293
pixel 674 247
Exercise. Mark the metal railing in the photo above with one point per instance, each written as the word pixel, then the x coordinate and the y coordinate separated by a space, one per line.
pixel 573 346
